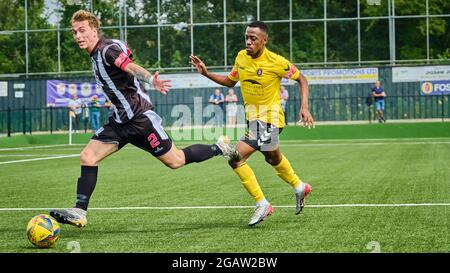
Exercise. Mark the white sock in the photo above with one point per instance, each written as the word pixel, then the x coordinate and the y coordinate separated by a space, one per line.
pixel 262 202
pixel 300 187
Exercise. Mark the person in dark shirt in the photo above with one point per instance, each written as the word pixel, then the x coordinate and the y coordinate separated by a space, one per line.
pixel 217 100
pixel 132 120
pixel 379 95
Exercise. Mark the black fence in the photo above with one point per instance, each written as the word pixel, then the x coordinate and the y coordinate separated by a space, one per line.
pixel 48 119
pixel 28 120
pixel 396 108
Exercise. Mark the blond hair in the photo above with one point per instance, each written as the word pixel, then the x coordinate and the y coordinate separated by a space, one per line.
pixel 83 15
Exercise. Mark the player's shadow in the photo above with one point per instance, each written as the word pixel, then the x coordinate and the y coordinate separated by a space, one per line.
pixel 32 249
pixel 170 227
pixel 213 225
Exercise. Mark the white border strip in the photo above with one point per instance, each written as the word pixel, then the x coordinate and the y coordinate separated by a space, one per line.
pixel 243 207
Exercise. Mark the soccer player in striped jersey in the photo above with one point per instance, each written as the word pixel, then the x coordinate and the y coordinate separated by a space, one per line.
pixel 132 121
pixel 260 71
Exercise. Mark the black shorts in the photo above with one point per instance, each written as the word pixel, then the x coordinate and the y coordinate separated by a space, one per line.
pixel 262 136
pixel 144 131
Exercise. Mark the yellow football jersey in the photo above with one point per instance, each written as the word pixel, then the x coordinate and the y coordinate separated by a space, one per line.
pixel 260 84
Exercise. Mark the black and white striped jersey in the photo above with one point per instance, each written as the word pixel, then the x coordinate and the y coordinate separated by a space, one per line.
pixel 109 59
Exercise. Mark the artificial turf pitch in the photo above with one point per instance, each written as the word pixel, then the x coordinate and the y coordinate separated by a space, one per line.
pixel 381 184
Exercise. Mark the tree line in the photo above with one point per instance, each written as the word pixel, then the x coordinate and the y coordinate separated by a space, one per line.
pixel 44 18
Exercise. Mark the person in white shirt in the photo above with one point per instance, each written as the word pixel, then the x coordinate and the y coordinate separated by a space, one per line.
pixel 284 96
pixel 75 111
pixel 231 106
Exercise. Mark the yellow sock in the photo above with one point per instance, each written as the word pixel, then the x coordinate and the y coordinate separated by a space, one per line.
pixel 285 172
pixel 249 181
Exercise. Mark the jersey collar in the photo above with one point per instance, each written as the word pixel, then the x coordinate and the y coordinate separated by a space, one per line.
pixel 260 56
pixel 96 46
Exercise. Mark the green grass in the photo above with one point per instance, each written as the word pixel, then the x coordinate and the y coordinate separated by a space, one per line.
pixel 321 132
pixel 344 164
pixel 370 131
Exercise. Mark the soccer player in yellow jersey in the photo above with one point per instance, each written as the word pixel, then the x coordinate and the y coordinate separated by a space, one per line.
pixel 260 72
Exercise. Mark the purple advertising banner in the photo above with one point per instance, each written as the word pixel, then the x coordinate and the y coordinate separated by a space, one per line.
pixel 435 88
pixel 60 92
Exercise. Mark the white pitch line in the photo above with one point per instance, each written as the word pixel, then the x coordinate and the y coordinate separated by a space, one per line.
pixel 38 147
pixel 286 144
pixel 28 155
pixel 365 140
pixel 377 141
pixel 243 207
pixel 361 144
pixel 38 159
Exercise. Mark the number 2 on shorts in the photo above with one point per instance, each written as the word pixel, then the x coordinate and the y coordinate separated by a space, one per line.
pixel 153 140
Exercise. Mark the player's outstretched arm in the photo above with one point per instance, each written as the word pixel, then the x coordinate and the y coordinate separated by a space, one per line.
pixel 201 68
pixel 142 74
pixel 305 115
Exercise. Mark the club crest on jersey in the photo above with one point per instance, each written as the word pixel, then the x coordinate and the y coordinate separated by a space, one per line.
pixel 259 72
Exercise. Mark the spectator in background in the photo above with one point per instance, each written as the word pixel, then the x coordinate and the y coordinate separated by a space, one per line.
pixel 75 112
pixel 217 100
pixel 231 100
pixel 85 111
pixel 110 108
pixel 94 110
pixel 379 95
pixel 284 96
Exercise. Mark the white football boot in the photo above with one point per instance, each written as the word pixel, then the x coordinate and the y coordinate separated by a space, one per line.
pixel 73 216
pixel 301 196
pixel 260 214
pixel 228 151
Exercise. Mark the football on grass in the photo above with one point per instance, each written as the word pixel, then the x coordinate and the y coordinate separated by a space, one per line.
pixel 43 231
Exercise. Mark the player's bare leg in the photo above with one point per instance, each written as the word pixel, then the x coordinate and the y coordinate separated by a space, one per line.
pixel 94 152
pixel 176 158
